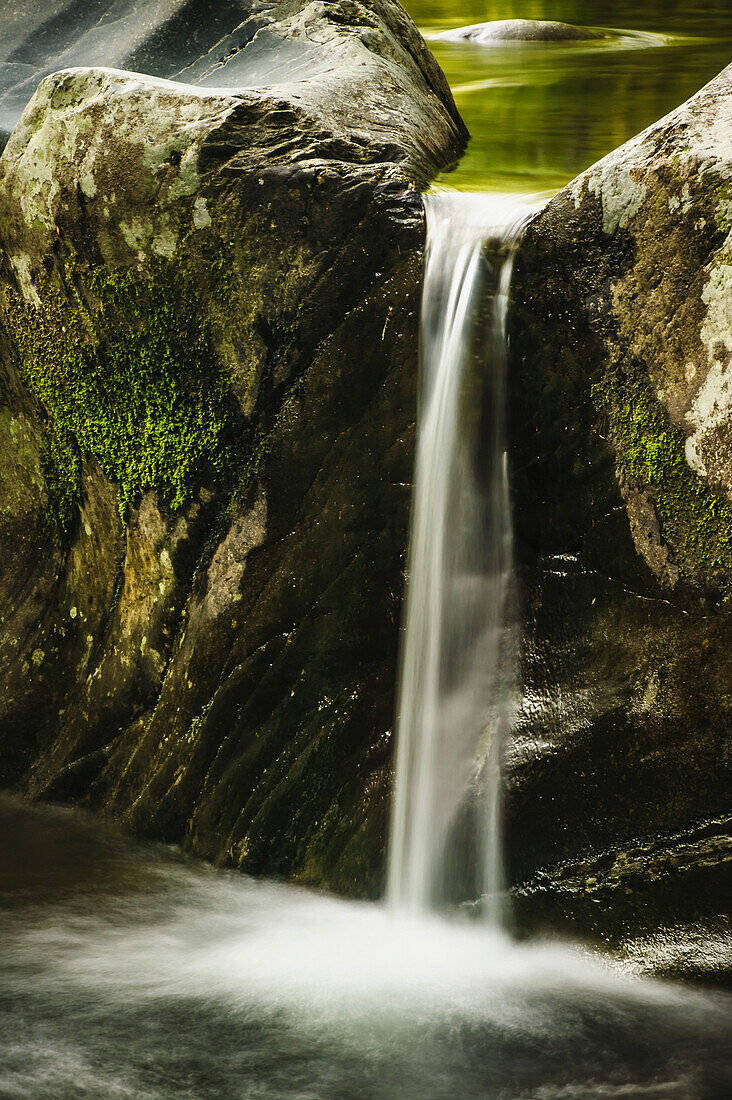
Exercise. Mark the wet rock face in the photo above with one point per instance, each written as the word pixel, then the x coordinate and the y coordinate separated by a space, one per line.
pixel 637 304
pixel 209 308
pixel 622 428
pixel 521 30
pixel 654 900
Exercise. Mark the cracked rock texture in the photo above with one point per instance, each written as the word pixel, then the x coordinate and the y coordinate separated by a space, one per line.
pixel 209 299
pixel 317 49
pixel 620 348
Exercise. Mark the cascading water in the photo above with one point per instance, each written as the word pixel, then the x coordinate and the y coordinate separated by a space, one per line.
pixel 127 972
pixel 456 675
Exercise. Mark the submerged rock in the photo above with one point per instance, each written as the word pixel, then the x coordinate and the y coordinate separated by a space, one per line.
pixel 208 304
pixel 623 480
pixel 520 30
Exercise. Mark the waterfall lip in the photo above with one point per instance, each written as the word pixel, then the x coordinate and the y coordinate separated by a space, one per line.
pixel 503 216
pixel 474 206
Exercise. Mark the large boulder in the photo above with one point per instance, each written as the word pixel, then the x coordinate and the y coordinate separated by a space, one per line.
pixel 220 44
pixel 209 306
pixel 621 337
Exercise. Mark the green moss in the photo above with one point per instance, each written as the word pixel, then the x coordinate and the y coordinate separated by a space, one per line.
pixel 695 518
pixel 191 736
pixel 123 364
pixel 61 468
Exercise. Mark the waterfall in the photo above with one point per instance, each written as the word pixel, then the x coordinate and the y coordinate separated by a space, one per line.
pixel 456 669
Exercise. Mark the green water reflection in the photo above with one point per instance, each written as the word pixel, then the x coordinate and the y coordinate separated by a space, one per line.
pixel 539 113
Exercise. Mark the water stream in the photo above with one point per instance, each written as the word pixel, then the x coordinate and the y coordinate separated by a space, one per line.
pixel 456 671
pixel 127 973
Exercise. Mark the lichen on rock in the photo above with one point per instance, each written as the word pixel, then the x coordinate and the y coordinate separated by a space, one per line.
pixel 647 267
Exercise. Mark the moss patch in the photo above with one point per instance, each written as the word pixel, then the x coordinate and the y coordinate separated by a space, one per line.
pixel 123 363
pixel 695 518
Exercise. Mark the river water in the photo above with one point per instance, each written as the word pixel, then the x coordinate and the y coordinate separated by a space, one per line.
pixel 540 113
pixel 126 972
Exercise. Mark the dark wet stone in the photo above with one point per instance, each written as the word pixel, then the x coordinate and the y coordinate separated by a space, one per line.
pixel 209 341
pixel 621 429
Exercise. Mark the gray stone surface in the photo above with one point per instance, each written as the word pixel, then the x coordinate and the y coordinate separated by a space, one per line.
pixel 233 44
pixel 520 30
pixel 622 432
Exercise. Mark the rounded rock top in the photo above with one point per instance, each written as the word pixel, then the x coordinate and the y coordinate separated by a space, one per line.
pixel 521 30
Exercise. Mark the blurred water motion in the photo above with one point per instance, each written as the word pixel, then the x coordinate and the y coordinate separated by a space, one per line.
pixel 198 984
pixel 456 676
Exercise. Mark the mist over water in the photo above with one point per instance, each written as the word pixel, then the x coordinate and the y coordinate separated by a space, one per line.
pixel 129 973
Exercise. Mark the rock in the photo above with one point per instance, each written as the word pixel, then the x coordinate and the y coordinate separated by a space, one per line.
pixel 51 35
pixel 639 249
pixel 655 902
pixel 620 336
pixel 209 304
pixel 233 44
pixel 520 30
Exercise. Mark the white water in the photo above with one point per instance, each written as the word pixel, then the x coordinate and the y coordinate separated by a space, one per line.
pixel 456 667
pixel 125 974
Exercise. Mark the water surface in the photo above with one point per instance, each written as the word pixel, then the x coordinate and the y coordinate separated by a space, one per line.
pixel 127 973
pixel 540 112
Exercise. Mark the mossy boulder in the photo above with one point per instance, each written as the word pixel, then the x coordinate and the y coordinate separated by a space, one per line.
pixel 622 429
pixel 209 302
